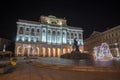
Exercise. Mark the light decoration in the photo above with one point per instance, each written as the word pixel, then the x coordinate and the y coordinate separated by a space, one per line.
pixel 102 52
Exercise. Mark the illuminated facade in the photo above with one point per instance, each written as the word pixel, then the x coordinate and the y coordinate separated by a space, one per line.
pixel 92 41
pixel 50 37
pixel 110 36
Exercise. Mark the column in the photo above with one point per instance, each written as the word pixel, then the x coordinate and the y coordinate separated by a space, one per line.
pixel 28 51
pixel 65 36
pixel 23 50
pixel 78 35
pixel 51 35
pixel 29 34
pixel 40 50
pixel 46 34
pixel 70 37
pixel 56 37
pixel 61 41
pixel 23 37
pixel 40 34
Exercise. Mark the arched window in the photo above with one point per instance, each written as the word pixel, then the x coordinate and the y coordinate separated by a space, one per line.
pixel 27 31
pixel 49 36
pixel 48 31
pixel 53 37
pixel 38 30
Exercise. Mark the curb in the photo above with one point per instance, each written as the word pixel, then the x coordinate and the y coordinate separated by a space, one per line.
pixel 76 68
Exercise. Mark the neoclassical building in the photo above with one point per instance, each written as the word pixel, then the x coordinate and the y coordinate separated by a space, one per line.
pixel 49 37
pixel 93 40
pixel 110 36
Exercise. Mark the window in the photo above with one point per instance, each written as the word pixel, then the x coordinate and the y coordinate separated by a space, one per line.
pixel 26 39
pixel 54 22
pixel 58 33
pixel 32 39
pixel 48 36
pixel 80 36
pixel 27 29
pixel 32 32
pixel 48 31
pixel 37 30
pixel 72 35
pixel 75 34
pixel 21 30
pixel 67 34
pixel 20 38
pixel 53 37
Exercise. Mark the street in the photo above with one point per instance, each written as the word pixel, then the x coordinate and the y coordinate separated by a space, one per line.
pixel 25 71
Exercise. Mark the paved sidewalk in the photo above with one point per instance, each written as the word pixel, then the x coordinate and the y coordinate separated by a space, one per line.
pixel 25 71
pixel 76 68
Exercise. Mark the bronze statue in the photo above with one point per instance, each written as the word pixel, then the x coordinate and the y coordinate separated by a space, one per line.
pixel 75 45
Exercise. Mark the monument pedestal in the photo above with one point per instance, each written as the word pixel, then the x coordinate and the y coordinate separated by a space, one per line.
pixel 77 55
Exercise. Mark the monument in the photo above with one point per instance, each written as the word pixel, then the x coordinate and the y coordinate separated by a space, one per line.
pixel 76 54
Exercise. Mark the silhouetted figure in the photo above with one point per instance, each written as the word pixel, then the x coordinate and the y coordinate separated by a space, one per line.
pixel 75 45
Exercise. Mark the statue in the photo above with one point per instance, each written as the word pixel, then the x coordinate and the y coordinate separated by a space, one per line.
pixel 76 53
pixel 75 45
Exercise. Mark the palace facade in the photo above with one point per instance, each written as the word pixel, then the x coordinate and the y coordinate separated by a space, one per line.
pixel 49 37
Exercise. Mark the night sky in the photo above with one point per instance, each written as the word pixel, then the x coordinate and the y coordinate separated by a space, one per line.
pixel 91 15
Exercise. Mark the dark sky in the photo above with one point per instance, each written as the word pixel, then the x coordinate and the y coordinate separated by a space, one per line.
pixel 89 14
